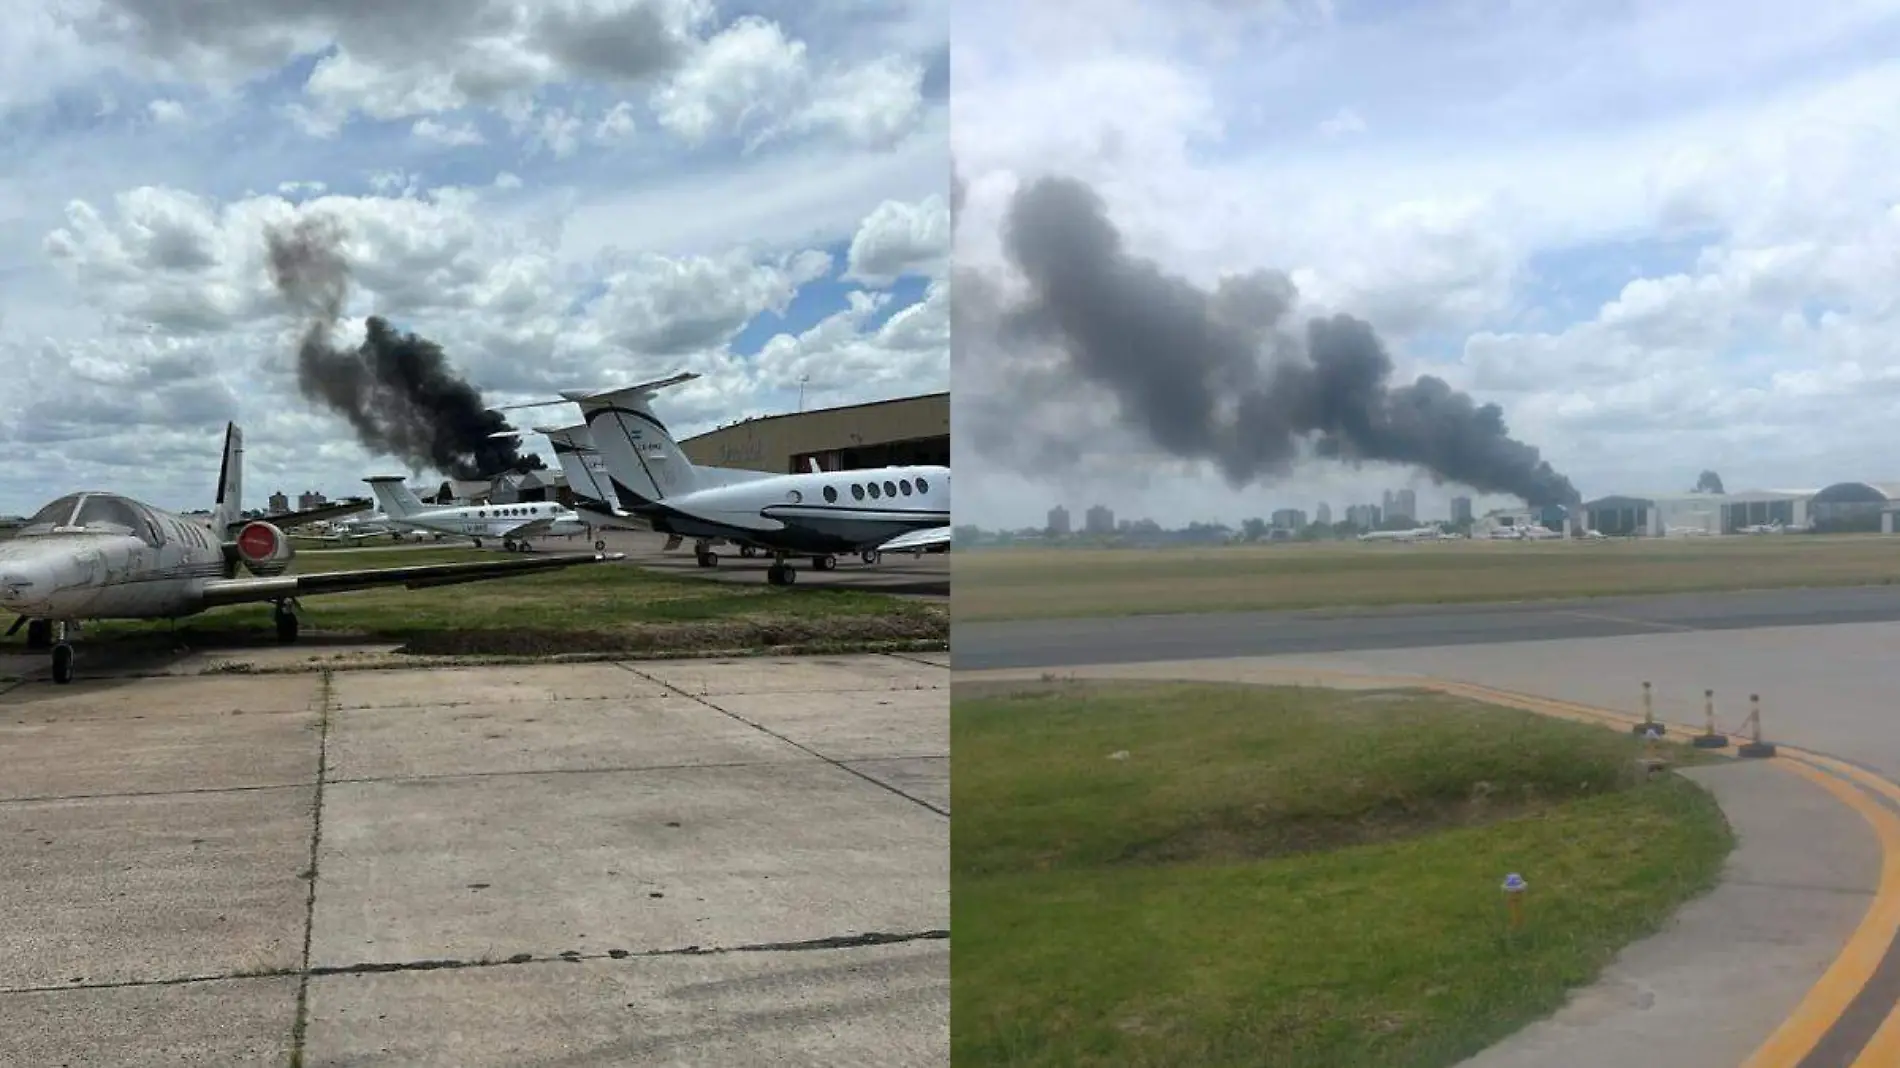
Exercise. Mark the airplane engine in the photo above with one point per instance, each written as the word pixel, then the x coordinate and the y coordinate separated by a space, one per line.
pixel 264 549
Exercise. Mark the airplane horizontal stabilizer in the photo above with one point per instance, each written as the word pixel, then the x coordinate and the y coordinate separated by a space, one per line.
pixel 286 520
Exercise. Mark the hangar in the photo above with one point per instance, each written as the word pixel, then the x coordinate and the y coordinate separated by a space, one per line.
pixel 1698 513
pixel 908 430
pixel 1856 506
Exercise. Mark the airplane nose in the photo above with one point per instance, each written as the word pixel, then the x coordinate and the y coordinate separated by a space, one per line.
pixel 22 583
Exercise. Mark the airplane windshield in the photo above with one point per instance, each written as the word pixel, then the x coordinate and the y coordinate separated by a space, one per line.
pixel 57 514
pixel 98 513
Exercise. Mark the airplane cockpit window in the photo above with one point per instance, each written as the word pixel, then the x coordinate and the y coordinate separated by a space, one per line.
pixel 106 513
pixel 57 514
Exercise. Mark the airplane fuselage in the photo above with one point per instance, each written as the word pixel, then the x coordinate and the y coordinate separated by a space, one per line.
pixel 93 575
pixel 825 512
pixel 493 521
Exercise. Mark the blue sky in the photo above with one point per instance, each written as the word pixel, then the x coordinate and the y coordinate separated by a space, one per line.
pixel 1580 212
pixel 566 194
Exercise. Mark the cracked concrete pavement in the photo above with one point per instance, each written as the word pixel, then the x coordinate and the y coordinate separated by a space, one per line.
pixel 694 862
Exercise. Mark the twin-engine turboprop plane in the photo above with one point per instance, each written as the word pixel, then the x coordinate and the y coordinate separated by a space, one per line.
pixel 816 515
pixel 94 555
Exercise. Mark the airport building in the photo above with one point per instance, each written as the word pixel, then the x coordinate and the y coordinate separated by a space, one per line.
pixel 1699 513
pixel 909 430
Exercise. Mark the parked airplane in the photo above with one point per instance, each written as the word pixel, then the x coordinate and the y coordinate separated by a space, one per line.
pixel 359 528
pixel 1414 534
pixel 817 515
pixel 93 555
pixel 511 524
pixel 1764 528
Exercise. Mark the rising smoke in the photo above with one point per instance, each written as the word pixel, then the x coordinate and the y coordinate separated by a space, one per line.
pixel 397 389
pixel 1220 375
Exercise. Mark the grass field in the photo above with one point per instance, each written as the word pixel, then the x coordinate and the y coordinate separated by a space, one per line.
pixel 591 608
pixel 1211 875
pixel 1047 583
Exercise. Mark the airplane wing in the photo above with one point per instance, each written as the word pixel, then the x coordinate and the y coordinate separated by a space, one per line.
pixel 532 528
pixel 927 538
pixel 247 590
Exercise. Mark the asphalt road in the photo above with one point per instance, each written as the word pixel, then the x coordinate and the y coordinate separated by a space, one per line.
pixel 1139 639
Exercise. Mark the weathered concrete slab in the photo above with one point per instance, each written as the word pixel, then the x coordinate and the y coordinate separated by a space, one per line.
pixel 853 725
pixel 155 698
pixel 147 888
pixel 487 685
pixel 591 861
pixel 185 1025
pixel 794 674
pixel 924 778
pixel 939 659
pixel 520 736
pixel 882 1006
pixel 44 755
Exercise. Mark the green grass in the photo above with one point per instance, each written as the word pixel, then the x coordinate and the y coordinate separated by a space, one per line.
pixel 589 608
pixel 1293 877
pixel 996 584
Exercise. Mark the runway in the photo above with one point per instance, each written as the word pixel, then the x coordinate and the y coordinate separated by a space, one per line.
pixel 1142 639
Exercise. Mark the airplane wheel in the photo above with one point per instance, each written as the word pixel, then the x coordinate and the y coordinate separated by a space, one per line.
pixel 707 559
pixel 748 551
pixel 39 634
pixel 870 556
pixel 599 546
pixel 62 663
pixel 824 563
pixel 478 543
pixel 508 545
pixel 780 575
pixel 286 626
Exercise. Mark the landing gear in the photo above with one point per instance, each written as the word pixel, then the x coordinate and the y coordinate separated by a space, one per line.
pixel 285 617
pixel 703 554
pixel 600 546
pixel 478 542
pixel 780 573
pixel 748 551
pixel 507 545
pixel 825 563
pixel 39 634
pixel 870 556
pixel 63 655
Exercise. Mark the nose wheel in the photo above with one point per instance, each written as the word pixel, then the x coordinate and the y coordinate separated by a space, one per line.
pixel 63 654
pixel 285 617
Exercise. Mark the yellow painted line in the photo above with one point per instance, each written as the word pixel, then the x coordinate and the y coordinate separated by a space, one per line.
pixel 1831 994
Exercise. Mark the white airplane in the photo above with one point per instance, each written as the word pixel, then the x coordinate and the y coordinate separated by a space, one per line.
pixel 1414 534
pixel 1764 528
pixel 93 555
pixel 817 515
pixel 511 524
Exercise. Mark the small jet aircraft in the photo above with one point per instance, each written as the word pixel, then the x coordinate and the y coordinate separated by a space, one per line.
pixel 1414 534
pixel 93 555
pixel 511 524
pixel 816 515
pixel 1764 528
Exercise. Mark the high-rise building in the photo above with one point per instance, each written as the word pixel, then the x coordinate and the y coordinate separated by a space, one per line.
pixel 309 499
pixel 279 503
pixel 1289 519
pixel 1363 516
pixel 1099 520
pixel 1461 509
pixel 1323 515
pixel 1404 506
pixel 1058 522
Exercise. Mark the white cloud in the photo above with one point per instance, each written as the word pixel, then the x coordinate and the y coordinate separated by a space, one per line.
pixel 899 239
pixel 569 238
pixel 1654 261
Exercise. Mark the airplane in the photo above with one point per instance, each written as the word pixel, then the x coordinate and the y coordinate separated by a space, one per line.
pixel 1414 534
pixel 95 555
pixel 511 524
pixel 1764 528
pixel 888 508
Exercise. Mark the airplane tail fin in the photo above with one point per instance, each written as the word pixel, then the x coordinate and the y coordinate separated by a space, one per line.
pixel 394 496
pixel 580 461
pixel 229 506
pixel 641 454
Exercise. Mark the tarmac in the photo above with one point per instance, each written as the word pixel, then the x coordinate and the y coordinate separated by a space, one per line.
pixel 700 862
pixel 1794 960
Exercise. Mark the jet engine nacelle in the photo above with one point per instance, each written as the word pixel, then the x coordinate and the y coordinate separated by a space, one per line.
pixel 264 549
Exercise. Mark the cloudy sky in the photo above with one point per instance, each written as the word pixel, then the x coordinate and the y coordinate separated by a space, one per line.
pixel 562 193
pixel 1655 255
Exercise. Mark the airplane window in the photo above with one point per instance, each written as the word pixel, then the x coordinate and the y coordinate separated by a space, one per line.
pixel 904 484
pixel 873 488
pixel 831 495
pixel 890 490
pixel 922 486
pixel 103 510
pixel 794 497
pixel 56 514
pixel 857 491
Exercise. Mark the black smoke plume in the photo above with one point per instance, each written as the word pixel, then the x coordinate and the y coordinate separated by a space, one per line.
pixel 397 389
pixel 1218 375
